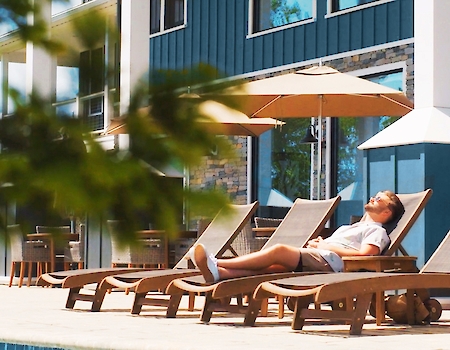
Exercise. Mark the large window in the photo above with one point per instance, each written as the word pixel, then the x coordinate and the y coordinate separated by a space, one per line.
pixel 166 15
pixel 339 5
pixel 351 132
pixel 270 14
pixel 92 85
pixel 17 82
pixel 61 6
pixel 283 167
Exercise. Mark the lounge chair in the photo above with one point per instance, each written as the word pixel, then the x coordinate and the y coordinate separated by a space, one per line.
pixel 413 203
pixel 360 287
pixel 219 234
pixel 305 220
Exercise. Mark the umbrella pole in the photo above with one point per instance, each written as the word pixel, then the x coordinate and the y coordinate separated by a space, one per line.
pixel 319 154
pixel 312 166
pixel 319 146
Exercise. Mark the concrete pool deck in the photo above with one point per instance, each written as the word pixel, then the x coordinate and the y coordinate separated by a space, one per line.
pixel 37 316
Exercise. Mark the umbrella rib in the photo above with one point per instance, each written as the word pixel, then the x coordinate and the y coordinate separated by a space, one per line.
pixel 250 133
pixel 266 105
pixel 399 103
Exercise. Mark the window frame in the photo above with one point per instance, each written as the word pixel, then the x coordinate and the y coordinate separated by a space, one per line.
pixel 330 12
pixel 162 20
pixel 252 34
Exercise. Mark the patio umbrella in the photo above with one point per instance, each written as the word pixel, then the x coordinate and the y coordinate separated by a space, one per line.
pixel 318 91
pixel 222 120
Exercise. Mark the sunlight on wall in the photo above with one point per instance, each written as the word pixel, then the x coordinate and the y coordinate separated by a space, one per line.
pixel 61 6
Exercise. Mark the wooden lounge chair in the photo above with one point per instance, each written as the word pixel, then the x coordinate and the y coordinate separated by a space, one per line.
pixel 305 220
pixel 413 203
pixel 360 287
pixel 219 234
pixel 329 287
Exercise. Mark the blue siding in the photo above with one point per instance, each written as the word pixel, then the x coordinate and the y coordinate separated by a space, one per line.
pixel 216 34
pixel 332 35
pixel 356 31
pixel 414 168
pixel 393 26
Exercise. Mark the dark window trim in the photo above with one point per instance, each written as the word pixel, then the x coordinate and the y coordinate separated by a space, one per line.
pixel 172 19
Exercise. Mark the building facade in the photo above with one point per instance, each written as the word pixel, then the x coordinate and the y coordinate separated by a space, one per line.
pixel 251 39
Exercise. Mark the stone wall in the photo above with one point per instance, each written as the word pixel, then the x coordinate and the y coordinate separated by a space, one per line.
pixel 402 53
pixel 227 174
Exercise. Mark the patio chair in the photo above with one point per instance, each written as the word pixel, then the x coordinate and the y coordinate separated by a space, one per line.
pixel 219 234
pixel 26 252
pixel 149 252
pixel 74 251
pixel 361 286
pixel 305 220
pixel 413 203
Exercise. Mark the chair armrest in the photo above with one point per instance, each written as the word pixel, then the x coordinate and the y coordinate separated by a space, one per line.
pixel 380 263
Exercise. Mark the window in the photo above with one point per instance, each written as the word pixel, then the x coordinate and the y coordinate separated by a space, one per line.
pixel 92 85
pixel 339 5
pixel 61 6
pixel 282 167
pixel 166 15
pixel 269 14
pixel 350 133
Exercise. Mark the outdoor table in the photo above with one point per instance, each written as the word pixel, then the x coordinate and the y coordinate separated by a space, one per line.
pixel 52 239
pixel 379 264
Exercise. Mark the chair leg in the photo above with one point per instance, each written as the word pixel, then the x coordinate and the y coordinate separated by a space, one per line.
pixel 22 273
pixel 30 267
pixel 264 307
pixel 191 303
pixel 80 265
pixel 38 269
pixel 11 277
pixel 280 306
pixel 66 266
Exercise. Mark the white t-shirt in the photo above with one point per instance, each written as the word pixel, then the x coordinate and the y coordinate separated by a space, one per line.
pixel 353 237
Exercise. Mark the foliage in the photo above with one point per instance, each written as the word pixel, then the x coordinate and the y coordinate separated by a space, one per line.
pixel 55 165
pixel 348 141
pixel 291 163
pixel 282 13
pixel 15 14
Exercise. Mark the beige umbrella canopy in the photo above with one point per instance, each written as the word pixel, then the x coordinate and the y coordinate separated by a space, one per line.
pixel 318 91
pixel 221 120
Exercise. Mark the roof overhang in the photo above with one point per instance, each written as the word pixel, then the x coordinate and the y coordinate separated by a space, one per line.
pixel 422 125
pixel 61 30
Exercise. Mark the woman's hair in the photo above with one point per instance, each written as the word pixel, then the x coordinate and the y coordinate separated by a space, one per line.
pixel 395 206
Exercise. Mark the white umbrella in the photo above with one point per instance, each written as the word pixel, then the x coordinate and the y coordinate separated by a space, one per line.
pixel 219 119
